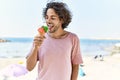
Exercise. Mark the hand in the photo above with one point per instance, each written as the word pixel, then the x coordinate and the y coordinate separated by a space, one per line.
pixel 38 40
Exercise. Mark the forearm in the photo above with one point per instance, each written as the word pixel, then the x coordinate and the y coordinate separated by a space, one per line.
pixel 75 69
pixel 32 59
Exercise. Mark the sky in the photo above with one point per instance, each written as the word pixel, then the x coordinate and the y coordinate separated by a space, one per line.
pixel 91 18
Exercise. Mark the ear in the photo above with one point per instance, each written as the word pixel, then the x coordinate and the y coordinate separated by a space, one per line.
pixel 62 21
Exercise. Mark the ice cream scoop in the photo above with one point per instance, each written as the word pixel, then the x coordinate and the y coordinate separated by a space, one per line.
pixel 42 30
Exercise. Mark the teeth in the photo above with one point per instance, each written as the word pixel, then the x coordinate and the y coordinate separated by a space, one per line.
pixel 50 25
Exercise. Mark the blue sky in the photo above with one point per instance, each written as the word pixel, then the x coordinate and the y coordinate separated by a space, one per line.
pixel 91 18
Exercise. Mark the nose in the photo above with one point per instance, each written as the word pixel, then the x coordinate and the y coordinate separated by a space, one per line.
pixel 48 20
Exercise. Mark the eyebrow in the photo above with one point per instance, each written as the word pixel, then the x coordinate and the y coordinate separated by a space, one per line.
pixel 53 15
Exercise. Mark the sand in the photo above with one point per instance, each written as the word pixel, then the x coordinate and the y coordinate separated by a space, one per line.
pixel 108 69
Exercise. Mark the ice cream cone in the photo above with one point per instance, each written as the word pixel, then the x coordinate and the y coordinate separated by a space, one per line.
pixel 42 30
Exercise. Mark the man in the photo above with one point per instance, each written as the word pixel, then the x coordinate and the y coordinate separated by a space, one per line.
pixel 58 51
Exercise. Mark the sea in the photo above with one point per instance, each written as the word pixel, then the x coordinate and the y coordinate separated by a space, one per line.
pixel 20 47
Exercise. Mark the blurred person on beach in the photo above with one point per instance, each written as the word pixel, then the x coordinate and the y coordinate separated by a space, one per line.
pixel 58 51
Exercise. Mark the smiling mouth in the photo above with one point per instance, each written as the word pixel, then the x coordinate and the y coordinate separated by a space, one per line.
pixel 50 26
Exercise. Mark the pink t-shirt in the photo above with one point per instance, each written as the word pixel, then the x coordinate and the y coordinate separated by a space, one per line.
pixel 56 57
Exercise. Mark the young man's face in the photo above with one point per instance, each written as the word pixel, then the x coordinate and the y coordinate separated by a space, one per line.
pixel 53 21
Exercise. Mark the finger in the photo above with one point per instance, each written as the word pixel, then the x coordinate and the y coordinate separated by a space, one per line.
pixel 38 39
pixel 37 43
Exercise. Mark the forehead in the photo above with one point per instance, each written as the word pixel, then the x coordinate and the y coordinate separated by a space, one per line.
pixel 51 12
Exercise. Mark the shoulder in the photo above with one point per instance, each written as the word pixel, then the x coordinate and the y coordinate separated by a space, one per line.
pixel 73 35
pixel 74 38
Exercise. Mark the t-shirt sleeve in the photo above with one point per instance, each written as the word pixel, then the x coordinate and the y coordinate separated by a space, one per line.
pixel 76 54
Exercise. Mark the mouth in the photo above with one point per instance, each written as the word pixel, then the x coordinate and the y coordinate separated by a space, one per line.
pixel 50 26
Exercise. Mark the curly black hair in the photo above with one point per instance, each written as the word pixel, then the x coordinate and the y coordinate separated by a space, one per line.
pixel 61 9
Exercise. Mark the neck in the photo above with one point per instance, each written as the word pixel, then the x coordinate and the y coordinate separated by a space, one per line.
pixel 58 35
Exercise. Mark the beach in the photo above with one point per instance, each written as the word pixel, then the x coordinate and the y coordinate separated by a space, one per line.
pixel 95 69
pixel 5 62
pixel 108 69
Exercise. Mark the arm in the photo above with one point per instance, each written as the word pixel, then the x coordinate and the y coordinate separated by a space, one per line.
pixel 32 57
pixel 75 69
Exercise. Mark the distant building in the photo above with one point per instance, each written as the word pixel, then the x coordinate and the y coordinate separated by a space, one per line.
pixel 3 40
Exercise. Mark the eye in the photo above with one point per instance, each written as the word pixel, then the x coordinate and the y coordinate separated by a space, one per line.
pixel 46 17
pixel 53 18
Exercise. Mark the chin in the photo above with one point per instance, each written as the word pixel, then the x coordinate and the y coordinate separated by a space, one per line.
pixel 51 31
